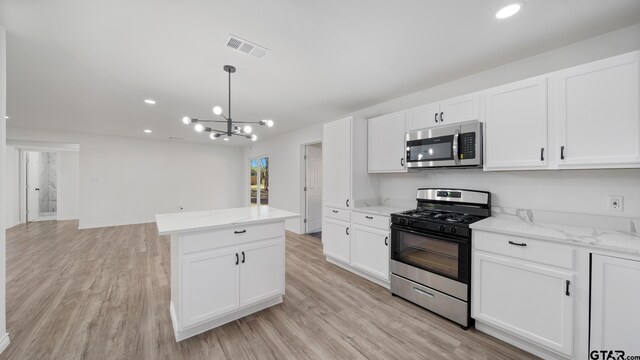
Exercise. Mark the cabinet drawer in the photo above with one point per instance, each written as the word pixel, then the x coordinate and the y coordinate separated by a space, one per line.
pixel 377 221
pixel 524 248
pixel 338 214
pixel 229 236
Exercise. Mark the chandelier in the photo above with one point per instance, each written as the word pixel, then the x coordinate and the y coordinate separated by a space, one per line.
pixel 232 126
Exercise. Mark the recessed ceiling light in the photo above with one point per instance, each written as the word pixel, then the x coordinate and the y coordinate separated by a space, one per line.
pixel 508 11
pixel 6 117
pixel 226 138
pixel 147 131
pixel 150 101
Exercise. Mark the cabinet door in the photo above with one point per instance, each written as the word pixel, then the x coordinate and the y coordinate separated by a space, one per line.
pixel 516 125
pixel 336 241
pixel 528 300
pixel 370 251
pixel 261 271
pixel 211 285
pixel 615 295
pixel 336 164
pixel 386 143
pixel 422 117
pixel 459 109
pixel 597 113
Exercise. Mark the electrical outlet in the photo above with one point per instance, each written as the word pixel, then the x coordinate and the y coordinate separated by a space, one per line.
pixel 615 203
pixel 180 208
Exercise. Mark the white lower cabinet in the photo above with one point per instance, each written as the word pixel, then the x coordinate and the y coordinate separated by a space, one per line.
pixel 205 295
pixel 222 279
pixel 260 271
pixel 336 242
pixel 615 299
pixel 370 251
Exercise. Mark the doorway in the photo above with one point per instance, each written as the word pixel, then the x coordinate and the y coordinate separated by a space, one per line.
pixel 41 186
pixel 313 189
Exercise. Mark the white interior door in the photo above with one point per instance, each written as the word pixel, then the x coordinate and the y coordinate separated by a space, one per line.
pixel 313 186
pixel 33 184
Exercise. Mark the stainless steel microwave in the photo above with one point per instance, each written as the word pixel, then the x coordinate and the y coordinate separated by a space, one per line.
pixel 457 145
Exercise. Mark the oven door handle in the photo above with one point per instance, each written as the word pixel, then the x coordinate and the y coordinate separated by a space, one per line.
pixel 456 156
pixel 429 235
pixel 420 291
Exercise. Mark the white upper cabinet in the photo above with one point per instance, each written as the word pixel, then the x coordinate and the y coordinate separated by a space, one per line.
pixel 596 112
pixel 336 163
pixel 460 109
pixel 386 143
pixel 450 111
pixel 345 177
pixel 516 125
pixel 422 117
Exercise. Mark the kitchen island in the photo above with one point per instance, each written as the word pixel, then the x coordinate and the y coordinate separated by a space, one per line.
pixel 225 264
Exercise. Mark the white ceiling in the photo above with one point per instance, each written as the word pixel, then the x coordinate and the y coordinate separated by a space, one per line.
pixel 88 65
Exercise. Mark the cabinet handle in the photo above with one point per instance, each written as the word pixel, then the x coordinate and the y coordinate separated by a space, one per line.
pixel 347 202
pixel 386 240
pixel 435 117
pixel 237 259
pixel 243 257
pixel 240 231
pixel 369 217
pixel 441 118
pixel 517 244
pixel 561 152
pixel 347 231
pixel 335 211
pixel 423 292
pixel 567 290
pixel 401 161
pixel 541 154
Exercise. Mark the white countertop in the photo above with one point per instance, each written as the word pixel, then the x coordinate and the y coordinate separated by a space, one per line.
pixel 384 210
pixel 523 224
pixel 211 219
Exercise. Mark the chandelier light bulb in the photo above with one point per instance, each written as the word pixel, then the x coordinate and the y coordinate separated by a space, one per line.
pixel 213 136
pixel 186 120
pixel 254 137
pixel 270 123
pixel 247 129
pixel 217 110
pixel 199 127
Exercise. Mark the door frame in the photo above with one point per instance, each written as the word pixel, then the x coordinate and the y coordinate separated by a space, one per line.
pixel 303 183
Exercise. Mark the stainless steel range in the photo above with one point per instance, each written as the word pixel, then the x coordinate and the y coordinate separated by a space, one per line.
pixel 431 250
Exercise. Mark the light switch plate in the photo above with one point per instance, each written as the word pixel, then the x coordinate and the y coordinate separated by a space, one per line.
pixel 615 203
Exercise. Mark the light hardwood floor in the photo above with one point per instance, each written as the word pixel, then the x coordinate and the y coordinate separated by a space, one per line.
pixel 104 294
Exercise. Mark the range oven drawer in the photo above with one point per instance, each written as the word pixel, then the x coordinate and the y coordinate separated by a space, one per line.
pixel 440 303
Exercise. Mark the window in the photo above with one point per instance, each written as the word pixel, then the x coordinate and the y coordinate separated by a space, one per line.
pixel 259 181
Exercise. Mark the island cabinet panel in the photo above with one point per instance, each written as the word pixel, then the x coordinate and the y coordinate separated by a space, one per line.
pixel 230 236
pixel 210 285
pixel 261 271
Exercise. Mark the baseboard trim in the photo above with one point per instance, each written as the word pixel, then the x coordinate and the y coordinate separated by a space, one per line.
pixel 4 342
pixel 518 342
pixel 211 324
pixel 373 279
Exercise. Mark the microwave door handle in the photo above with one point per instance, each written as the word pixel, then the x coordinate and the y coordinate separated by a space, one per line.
pixel 456 157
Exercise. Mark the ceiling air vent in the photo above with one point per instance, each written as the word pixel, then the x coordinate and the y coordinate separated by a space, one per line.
pixel 246 47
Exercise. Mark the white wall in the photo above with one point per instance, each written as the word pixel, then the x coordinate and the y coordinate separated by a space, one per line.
pixel 68 185
pixel 129 180
pixel 285 164
pixel 4 336
pixel 567 190
pixel 12 187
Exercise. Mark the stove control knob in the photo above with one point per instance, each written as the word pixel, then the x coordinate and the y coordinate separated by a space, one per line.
pixel 409 222
pixel 452 230
pixel 401 221
pixel 441 228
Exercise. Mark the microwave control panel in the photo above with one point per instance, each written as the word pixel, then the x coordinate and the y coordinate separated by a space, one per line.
pixel 467 146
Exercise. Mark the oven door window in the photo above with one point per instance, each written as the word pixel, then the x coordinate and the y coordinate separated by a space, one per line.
pixel 446 257
pixel 432 149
